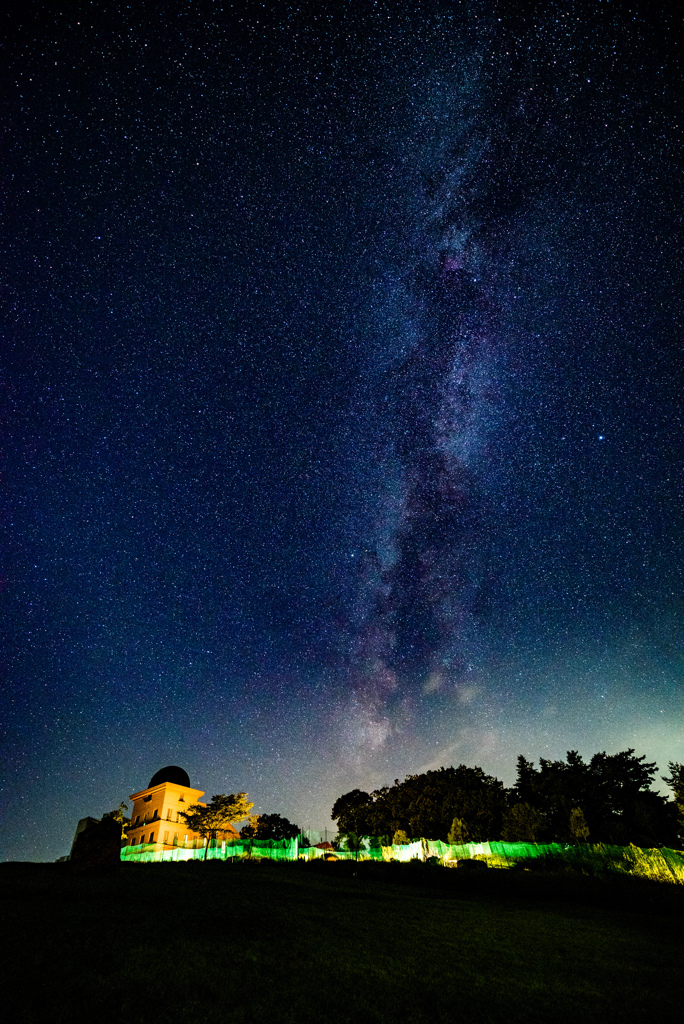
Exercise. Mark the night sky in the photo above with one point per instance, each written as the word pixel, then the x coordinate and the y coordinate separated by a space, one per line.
pixel 342 392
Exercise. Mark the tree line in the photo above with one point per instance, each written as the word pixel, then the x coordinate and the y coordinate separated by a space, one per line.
pixel 223 811
pixel 607 799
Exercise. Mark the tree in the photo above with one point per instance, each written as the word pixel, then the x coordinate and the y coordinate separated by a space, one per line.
pixel 555 789
pixel 579 830
pixel 350 811
pixel 425 805
pixel 118 815
pixel 352 843
pixel 522 824
pixel 480 808
pixel 218 815
pixel 458 833
pixel 613 791
pixel 269 826
pixel 525 779
pixel 400 838
pixel 623 808
pixel 675 781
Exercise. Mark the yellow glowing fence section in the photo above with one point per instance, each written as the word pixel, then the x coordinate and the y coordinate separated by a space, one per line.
pixel 662 864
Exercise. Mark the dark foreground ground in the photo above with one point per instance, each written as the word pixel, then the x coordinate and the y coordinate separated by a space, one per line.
pixel 336 942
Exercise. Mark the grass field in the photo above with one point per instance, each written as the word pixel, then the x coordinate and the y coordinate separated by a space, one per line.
pixel 339 942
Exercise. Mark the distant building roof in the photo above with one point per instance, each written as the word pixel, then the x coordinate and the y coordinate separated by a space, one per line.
pixel 172 773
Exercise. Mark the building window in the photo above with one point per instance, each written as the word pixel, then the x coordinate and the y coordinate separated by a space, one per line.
pixel 151 837
pixel 166 837
pixel 168 814
pixel 175 839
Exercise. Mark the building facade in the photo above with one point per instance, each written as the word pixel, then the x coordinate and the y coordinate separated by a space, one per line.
pixel 156 815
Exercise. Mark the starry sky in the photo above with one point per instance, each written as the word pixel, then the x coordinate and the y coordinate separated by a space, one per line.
pixel 341 390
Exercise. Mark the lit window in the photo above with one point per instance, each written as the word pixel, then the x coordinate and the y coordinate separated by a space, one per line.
pixel 168 814
pixel 166 837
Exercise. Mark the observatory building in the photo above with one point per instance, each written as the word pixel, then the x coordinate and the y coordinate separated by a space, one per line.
pixel 156 814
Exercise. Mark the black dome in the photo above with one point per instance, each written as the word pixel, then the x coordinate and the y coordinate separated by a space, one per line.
pixel 172 773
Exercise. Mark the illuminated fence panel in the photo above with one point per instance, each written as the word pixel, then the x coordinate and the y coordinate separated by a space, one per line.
pixel 674 860
pixel 283 849
pixel 409 851
pixel 662 865
pixel 658 864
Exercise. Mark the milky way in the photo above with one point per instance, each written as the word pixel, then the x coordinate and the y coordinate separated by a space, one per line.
pixel 468 150
pixel 425 581
pixel 343 399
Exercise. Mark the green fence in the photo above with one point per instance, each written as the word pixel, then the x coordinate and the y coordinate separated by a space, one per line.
pixel 280 849
pixel 597 859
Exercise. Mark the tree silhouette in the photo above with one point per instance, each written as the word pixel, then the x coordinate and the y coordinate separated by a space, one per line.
pixel 579 830
pixel 522 824
pixel 458 833
pixel 270 826
pixel 217 816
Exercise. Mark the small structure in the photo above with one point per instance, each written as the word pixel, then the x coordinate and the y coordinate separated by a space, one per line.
pixel 156 815
pixel 83 824
pixel 97 846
